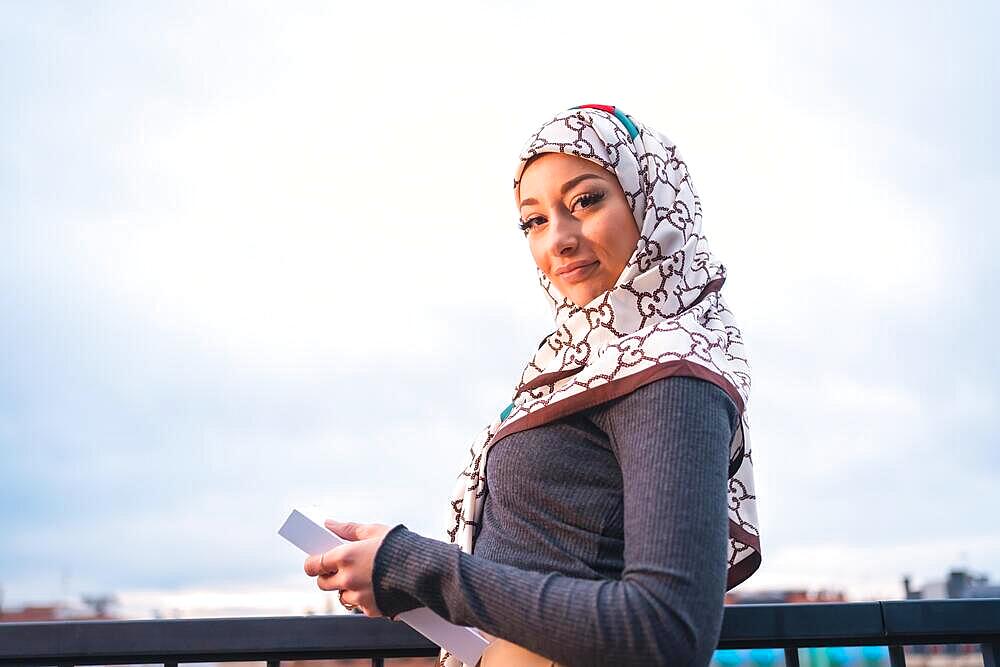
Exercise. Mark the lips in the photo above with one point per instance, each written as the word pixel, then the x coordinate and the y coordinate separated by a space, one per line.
pixel 577 271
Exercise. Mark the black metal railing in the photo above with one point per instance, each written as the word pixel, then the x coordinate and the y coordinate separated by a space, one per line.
pixel 782 626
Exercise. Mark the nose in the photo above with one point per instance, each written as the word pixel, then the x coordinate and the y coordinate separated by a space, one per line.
pixel 564 234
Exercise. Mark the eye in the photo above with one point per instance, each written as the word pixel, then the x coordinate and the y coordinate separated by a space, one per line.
pixel 526 225
pixel 588 199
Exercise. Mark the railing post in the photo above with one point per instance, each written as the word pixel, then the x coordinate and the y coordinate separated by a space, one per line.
pixel 896 657
pixel 991 654
pixel 273 663
pixel 791 657
pixel 378 662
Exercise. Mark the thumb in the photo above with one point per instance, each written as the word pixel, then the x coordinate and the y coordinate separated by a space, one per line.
pixel 348 531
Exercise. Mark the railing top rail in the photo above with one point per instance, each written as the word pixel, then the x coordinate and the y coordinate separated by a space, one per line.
pixel 938 621
pixel 303 637
pixel 901 622
pixel 211 639
pixel 846 624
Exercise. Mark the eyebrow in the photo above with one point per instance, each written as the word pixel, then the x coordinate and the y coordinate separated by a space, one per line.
pixel 566 187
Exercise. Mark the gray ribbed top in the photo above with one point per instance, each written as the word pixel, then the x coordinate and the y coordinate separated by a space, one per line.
pixel 603 537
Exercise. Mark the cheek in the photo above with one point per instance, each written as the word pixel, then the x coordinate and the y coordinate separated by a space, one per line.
pixel 538 253
pixel 621 238
pixel 630 238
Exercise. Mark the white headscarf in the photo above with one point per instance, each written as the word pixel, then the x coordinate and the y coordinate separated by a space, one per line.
pixel 664 317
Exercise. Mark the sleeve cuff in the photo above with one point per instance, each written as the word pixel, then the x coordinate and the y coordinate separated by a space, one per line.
pixel 389 574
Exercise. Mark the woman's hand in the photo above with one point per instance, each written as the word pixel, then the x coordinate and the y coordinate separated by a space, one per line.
pixel 348 568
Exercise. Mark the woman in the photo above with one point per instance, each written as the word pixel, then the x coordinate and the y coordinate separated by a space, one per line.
pixel 597 502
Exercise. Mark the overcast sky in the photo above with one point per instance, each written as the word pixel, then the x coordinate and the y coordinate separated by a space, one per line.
pixel 255 256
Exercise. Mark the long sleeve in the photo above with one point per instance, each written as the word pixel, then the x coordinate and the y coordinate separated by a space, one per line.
pixel 671 441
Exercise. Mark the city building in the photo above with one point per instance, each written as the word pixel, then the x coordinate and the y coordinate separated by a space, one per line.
pixel 959 584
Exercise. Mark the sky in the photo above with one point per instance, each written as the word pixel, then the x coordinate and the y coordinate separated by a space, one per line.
pixel 256 256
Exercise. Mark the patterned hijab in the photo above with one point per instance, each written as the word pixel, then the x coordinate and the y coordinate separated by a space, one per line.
pixel 664 317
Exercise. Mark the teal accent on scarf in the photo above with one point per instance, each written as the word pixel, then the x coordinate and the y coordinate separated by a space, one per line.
pixel 506 412
pixel 633 131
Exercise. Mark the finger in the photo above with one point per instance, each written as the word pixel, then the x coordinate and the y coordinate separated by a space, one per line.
pixel 324 563
pixel 340 557
pixel 357 531
pixel 312 566
pixel 348 530
pixel 348 597
pixel 329 582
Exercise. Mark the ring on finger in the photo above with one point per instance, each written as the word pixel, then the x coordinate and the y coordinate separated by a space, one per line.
pixel 346 605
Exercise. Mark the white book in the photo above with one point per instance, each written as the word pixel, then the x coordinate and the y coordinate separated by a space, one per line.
pixel 465 643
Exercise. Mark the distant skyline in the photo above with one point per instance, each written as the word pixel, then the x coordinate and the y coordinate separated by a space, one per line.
pixel 260 257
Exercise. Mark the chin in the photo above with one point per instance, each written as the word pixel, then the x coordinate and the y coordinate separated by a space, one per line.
pixel 580 294
pixel 581 299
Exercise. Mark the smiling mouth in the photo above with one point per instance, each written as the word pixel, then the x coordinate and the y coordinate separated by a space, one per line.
pixel 578 273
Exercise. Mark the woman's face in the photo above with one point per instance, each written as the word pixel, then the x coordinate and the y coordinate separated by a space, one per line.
pixel 578 223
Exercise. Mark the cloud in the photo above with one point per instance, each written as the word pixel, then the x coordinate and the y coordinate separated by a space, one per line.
pixel 256 259
pixel 859 569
